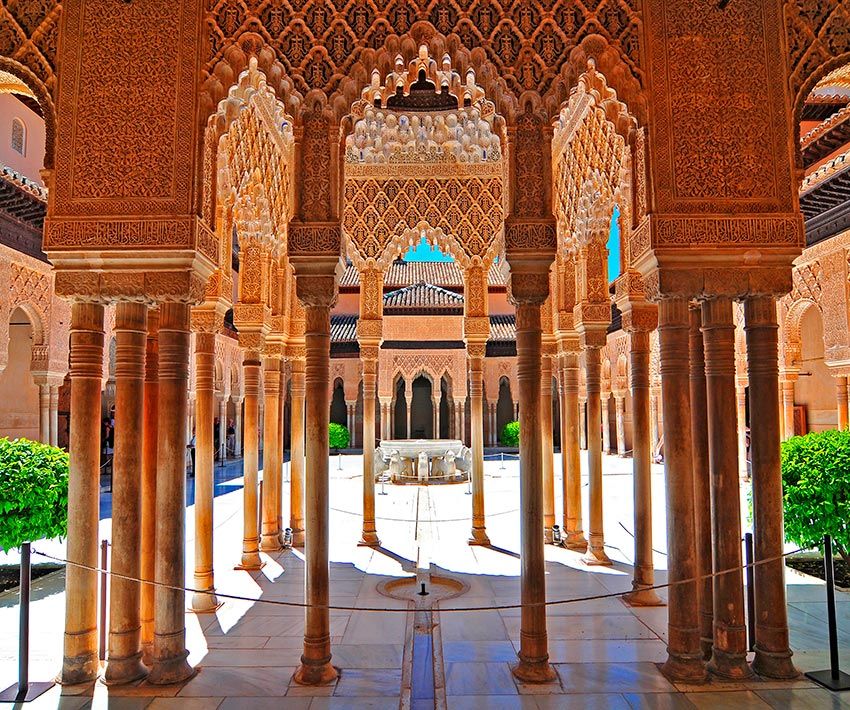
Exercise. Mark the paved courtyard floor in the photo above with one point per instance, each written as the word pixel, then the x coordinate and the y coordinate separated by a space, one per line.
pixel 605 653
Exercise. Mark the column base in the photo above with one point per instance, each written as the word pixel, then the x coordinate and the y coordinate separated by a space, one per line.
pixel 297 536
pixel 271 542
pixel 479 537
pixel 548 535
pixel 576 541
pixel 79 669
pixel 684 669
pixel 641 596
pixel 251 562
pixel 369 538
pixel 777 666
pixel 205 602
pixel 147 654
pixel 171 670
pixel 534 671
pixel 315 673
pixel 729 666
pixel 596 557
pixel 124 670
pixel 707 646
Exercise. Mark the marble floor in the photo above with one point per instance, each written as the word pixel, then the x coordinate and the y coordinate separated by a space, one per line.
pixel 605 653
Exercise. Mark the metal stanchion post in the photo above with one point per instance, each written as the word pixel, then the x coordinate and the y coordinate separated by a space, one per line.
pixel 339 462
pixel 751 591
pixel 833 678
pixel 23 691
pixel 502 461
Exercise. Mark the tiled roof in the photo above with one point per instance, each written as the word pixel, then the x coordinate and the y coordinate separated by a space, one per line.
pixel 407 273
pixel 503 327
pixel 423 295
pixel 343 329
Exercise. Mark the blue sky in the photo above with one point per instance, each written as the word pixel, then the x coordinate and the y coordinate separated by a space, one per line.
pixel 423 252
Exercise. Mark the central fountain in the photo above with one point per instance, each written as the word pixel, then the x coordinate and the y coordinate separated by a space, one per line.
pixel 423 461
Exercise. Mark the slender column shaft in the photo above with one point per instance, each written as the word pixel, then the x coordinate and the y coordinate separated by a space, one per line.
pixel 841 398
pixel 222 427
pixel 150 427
pixel 125 651
pixel 437 407
pixel 596 549
pixel 54 415
pixel 701 482
pixel 203 601
pixel 729 655
pixel 169 649
pixel 272 479
pixel 316 665
pixel 570 431
pixel 250 464
pixel 408 403
pixel 582 423
pixel 44 413
pixel 476 396
pixel 741 410
pixel 772 647
pixel 644 571
pixel 296 456
pixel 370 379
pixel 459 434
pixel 684 657
pixel 533 651
pixel 606 423
pixel 237 427
pixel 349 416
pixel 788 407
pixel 80 662
pixel 620 422
pixel 547 446
pixel 653 423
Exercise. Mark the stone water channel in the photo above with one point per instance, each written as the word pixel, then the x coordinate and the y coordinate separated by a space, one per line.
pixel 423 677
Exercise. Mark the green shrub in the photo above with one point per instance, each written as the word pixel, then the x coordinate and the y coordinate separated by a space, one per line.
pixel 33 492
pixel 338 436
pixel 510 435
pixel 816 489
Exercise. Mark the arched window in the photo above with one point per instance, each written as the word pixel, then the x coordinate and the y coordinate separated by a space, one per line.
pixel 19 136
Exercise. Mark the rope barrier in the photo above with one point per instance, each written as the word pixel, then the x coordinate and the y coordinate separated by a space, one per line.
pixel 334 607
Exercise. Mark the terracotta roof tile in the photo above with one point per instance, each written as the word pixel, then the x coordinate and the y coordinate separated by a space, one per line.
pixel 503 327
pixel 407 273
pixel 422 295
pixel 343 329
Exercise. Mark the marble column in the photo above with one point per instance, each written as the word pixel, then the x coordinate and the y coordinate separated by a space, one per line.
pixel 644 569
pixel 597 424
pixel 841 399
pixel 315 667
pixel 237 427
pixel 620 422
pixel 205 599
pixel 438 403
pixel 458 409
pixel 701 482
pixel 605 420
pixel 296 454
pixel 547 446
pixel 148 511
pixel 788 406
pixel 684 657
pixel 125 627
pixel 582 423
pixel 571 458
pixel 369 536
pixel 533 653
pixel 349 417
pixel 772 647
pixel 272 470
pixel 653 423
pixel 222 427
pixel 250 464
pixel 475 355
pixel 729 654
pixel 44 413
pixel 741 410
pixel 80 656
pixel 408 403
pixel 386 414
pixel 54 414
pixel 169 664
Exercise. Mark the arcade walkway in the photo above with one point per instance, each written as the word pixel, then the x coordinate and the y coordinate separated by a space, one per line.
pixel 605 652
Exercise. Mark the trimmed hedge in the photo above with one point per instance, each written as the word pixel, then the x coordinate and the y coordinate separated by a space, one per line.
pixel 510 435
pixel 338 436
pixel 33 492
pixel 816 489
